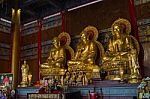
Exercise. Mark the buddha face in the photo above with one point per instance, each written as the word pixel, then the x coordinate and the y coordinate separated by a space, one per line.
pixel 84 37
pixel 24 62
pixel 55 42
pixel 117 30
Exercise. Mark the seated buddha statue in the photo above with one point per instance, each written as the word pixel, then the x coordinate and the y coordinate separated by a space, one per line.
pixel 121 57
pixel 86 54
pixel 55 64
pixel 56 57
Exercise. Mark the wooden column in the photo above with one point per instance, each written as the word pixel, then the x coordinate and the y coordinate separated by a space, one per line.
pixel 39 47
pixel 15 45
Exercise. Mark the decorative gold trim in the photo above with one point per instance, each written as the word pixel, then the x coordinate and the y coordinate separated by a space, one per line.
pixel 67 36
pixel 94 29
pixel 122 21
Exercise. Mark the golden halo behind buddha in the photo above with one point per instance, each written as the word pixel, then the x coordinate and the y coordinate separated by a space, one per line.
pixel 122 21
pixel 92 31
pixel 65 38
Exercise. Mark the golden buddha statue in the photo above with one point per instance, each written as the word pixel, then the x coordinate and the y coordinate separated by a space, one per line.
pixel 86 54
pixel 24 71
pixel 56 57
pixel 55 64
pixel 121 57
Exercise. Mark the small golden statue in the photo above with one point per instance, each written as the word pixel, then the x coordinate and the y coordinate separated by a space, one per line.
pixel 29 79
pixel 86 54
pixel 67 78
pixel 56 62
pixel 24 71
pixel 121 57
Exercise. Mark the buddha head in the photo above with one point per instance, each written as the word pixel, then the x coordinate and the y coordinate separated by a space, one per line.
pixel 121 26
pixel 84 36
pixel 56 42
pixel 117 30
pixel 24 61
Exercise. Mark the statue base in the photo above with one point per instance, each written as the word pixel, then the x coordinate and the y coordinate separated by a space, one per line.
pixel 134 80
pixel 113 77
pixel 98 81
pixel 117 77
pixel 23 84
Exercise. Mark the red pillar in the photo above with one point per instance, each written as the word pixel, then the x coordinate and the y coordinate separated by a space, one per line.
pixel 133 20
pixel 39 47
pixel 63 21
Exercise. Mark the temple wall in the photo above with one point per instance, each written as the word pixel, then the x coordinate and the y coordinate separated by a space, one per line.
pixel 45 35
pixel 5 66
pixel 101 15
pixel 146 47
pixel 5 42
pixel 143 10
pixel 143 16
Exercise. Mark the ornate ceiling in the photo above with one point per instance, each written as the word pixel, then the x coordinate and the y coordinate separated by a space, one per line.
pixel 36 9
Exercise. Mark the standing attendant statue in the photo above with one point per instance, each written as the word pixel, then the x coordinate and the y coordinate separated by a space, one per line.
pixel 25 72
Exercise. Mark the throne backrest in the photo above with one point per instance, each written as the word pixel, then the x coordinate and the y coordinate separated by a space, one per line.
pixel 100 53
pixel 69 55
